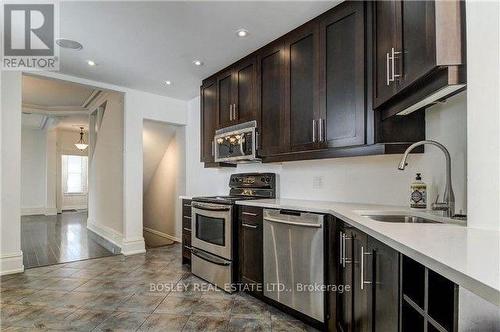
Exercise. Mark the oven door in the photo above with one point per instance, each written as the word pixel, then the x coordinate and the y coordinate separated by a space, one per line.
pixel 211 228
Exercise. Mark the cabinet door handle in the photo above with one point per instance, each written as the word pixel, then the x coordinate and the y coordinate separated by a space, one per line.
pixel 249 226
pixel 393 59
pixel 345 260
pixel 235 114
pixel 249 214
pixel 387 71
pixel 213 148
pixel 188 205
pixel 341 250
pixel 314 131
pixel 186 229
pixel 362 277
pixel 321 131
pixel 230 112
pixel 186 217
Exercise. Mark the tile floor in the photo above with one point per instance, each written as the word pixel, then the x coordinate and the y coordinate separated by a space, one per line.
pixel 116 294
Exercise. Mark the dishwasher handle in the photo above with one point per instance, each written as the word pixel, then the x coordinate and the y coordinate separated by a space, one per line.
pixel 294 223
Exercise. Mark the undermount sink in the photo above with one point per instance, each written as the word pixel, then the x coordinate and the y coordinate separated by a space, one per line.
pixel 401 219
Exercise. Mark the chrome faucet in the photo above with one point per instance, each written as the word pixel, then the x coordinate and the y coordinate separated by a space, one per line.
pixel 448 204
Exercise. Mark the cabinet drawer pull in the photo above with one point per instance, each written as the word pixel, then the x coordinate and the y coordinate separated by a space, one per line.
pixel 249 226
pixel 188 248
pixel 186 229
pixel 362 276
pixel 187 217
pixel 249 214
pixel 187 205
pixel 230 112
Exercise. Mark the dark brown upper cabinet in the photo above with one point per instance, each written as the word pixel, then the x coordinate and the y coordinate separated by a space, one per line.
pixel 418 53
pixel 225 98
pixel 387 39
pixel 245 91
pixel 208 121
pixel 271 98
pixel 236 89
pixel 342 79
pixel 304 125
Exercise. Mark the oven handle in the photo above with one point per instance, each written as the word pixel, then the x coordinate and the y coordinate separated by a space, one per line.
pixel 210 259
pixel 210 208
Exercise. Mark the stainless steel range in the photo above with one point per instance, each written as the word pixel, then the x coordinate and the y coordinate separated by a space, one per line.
pixel 214 227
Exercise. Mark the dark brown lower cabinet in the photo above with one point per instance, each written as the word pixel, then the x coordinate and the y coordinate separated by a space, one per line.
pixel 250 229
pixel 428 300
pixel 186 231
pixel 369 271
pixel 387 291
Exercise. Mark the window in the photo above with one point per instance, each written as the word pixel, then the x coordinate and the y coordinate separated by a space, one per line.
pixel 74 171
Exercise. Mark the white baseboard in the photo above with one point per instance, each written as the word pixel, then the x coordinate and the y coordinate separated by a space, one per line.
pixel 32 211
pixel 107 233
pixel 164 235
pixel 75 207
pixel 11 263
pixel 133 246
pixel 50 211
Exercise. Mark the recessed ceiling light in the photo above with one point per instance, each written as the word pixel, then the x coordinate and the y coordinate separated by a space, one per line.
pixel 242 33
pixel 91 63
pixel 168 82
pixel 68 43
pixel 198 63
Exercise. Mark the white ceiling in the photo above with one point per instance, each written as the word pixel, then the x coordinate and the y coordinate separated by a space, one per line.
pixel 55 100
pixel 53 93
pixel 141 44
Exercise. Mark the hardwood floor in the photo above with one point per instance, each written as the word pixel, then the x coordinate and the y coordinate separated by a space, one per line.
pixel 47 240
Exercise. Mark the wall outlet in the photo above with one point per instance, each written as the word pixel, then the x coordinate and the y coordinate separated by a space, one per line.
pixel 317 182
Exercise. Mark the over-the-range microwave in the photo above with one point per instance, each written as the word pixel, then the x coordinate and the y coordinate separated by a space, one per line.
pixel 237 144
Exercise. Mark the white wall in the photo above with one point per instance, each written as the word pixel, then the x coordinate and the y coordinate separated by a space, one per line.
pixel 105 173
pixel 33 173
pixel 372 179
pixel 160 207
pixel 483 119
pixel 140 106
pixel 11 256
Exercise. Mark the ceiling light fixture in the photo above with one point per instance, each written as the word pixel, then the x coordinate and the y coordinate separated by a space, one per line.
pixel 69 44
pixel 242 33
pixel 198 63
pixel 91 63
pixel 168 82
pixel 81 145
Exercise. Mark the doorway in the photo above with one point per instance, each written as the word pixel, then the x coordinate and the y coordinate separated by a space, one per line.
pixel 163 182
pixel 55 153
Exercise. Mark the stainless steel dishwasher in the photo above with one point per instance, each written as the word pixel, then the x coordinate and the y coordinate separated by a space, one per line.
pixel 293 260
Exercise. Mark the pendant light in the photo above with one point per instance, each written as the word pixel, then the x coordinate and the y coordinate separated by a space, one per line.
pixel 81 145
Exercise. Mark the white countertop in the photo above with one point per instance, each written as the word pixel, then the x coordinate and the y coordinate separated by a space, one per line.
pixel 469 257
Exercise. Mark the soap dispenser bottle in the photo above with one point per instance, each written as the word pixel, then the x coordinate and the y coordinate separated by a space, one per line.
pixel 418 193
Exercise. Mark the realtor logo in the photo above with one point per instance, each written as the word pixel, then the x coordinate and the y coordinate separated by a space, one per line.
pixel 29 32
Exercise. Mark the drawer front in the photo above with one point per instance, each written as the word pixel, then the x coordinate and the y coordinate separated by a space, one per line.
pixel 186 238
pixel 251 215
pixel 186 223
pixel 186 207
